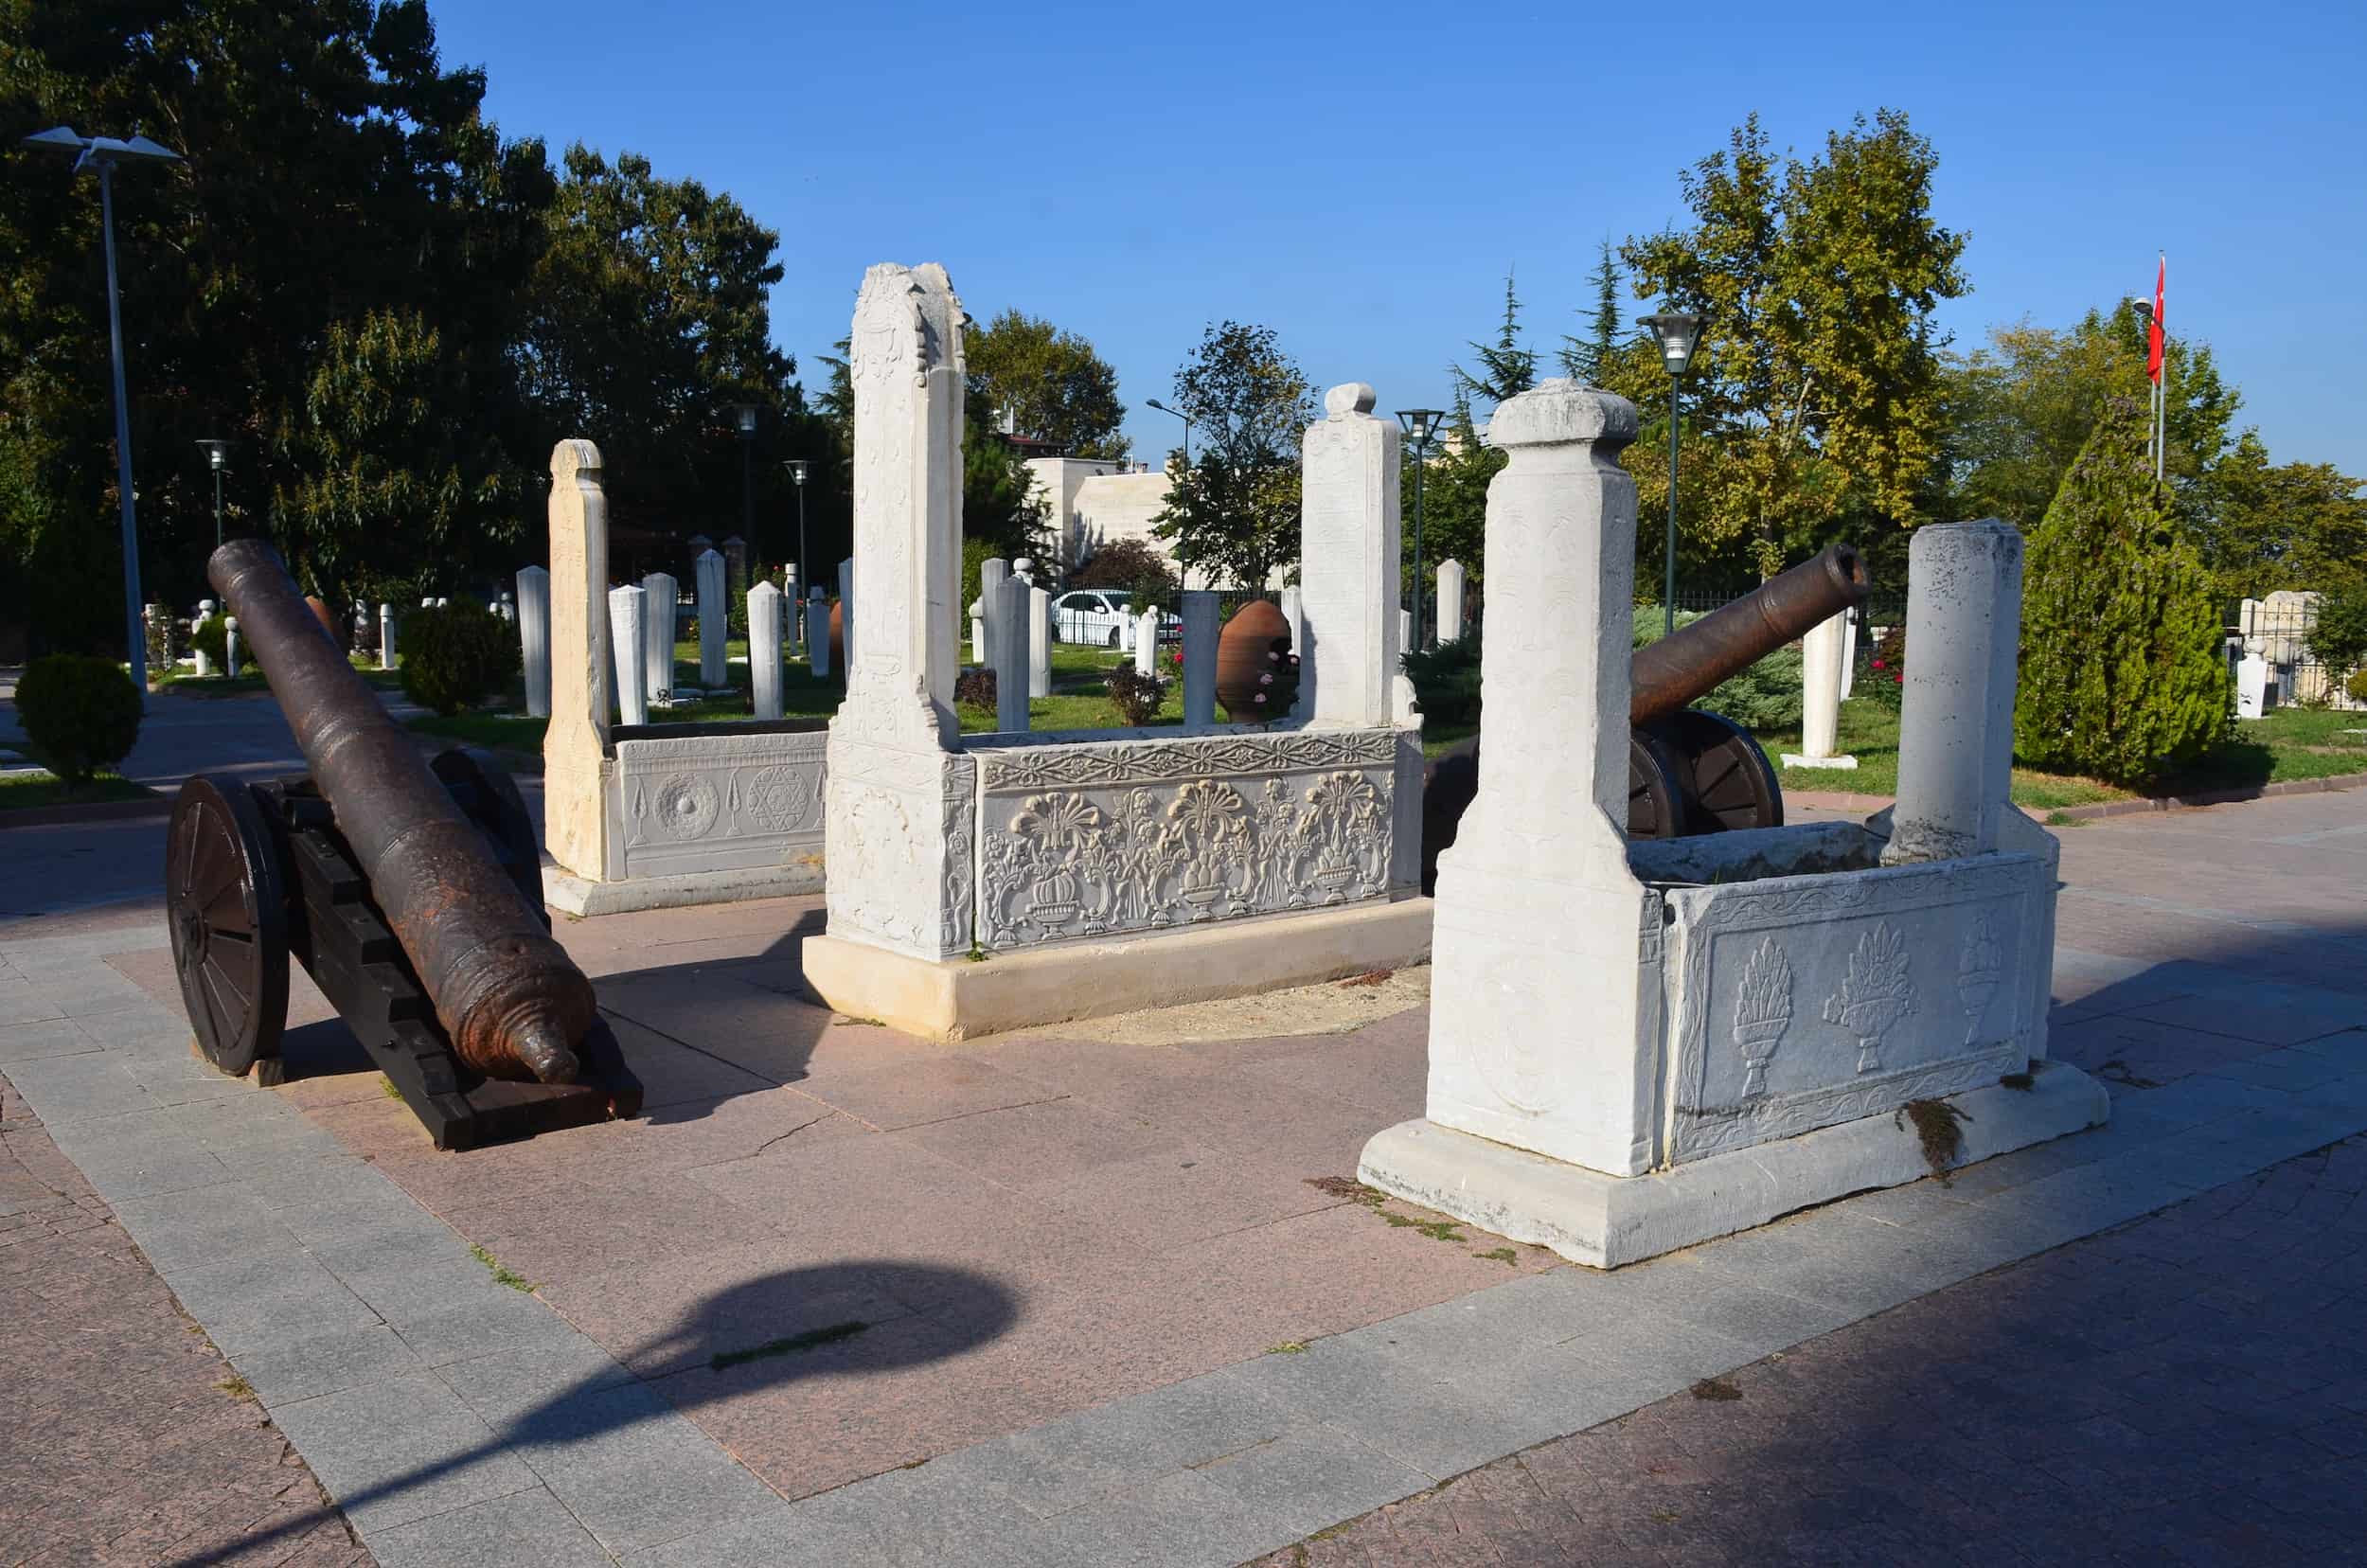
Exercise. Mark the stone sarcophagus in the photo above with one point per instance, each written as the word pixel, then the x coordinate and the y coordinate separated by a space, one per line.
pixel 747 798
pixel 1100 838
pixel 1640 1044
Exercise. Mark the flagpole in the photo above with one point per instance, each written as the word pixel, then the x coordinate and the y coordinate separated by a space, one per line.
pixel 2161 384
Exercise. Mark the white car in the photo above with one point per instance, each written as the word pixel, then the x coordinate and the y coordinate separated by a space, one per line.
pixel 1099 617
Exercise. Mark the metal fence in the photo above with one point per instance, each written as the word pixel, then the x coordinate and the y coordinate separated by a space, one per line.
pixel 2280 633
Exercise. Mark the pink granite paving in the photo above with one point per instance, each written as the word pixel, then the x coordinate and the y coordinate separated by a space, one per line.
pixel 121 1443
pixel 1028 1225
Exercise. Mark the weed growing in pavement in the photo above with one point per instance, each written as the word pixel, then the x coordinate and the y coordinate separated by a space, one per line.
pixel 1716 1388
pixel 1349 1187
pixel 1505 1256
pixel 503 1273
pixel 1288 1348
pixel 1437 1230
pixel 386 1087
pixel 237 1387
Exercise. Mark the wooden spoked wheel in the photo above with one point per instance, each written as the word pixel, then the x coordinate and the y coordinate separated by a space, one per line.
pixel 1724 776
pixel 1656 804
pixel 225 903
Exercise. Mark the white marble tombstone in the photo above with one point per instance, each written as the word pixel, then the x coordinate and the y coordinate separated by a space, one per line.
pixel 1405 629
pixel 903 812
pixel 1349 631
pixel 1038 643
pixel 1848 654
pixel 1200 657
pixel 509 608
pixel 1537 931
pixel 978 630
pixel 1146 643
pixel 764 648
pixel 793 606
pixel 1295 611
pixel 818 635
pixel 230 645
pixel 715 626
pixel 627 608
pixel 991 575
pixel 534 637
pixel 1956 716
pixel 385 636
pixel 1011 622
pixel 1450 582
pixel 657 636
pixel 576 750
pixel 2251 685
pixel 1822 666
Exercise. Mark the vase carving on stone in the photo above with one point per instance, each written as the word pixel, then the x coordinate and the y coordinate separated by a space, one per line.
pixel 1762 1013
pixel 1877 993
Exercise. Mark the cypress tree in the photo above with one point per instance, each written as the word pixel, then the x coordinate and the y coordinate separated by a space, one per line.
pixel 2123 676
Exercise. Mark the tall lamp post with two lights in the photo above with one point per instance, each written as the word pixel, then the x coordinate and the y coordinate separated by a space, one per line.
pixel 1421 428
pixel 1678 333
pixel 103 153
pixel 744 420
pixel 796 466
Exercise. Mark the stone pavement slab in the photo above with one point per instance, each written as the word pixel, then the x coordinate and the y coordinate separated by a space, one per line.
pixel 856 1294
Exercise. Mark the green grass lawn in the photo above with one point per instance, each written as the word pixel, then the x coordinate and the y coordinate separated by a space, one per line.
pixel 249 681
pixel 2290 744
pixel 25 791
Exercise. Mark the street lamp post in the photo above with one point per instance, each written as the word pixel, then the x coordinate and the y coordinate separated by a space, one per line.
pixel 103 153
pixel 217 457
pixel 1153 402
pixel 1421 425
pixel 796 466
pixel 1679 331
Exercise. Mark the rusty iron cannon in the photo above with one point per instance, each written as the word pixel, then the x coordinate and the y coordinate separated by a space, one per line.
pixel 1689 771
pixel 411 892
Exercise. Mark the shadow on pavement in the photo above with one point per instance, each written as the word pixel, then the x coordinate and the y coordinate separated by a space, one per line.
pixel 964 1310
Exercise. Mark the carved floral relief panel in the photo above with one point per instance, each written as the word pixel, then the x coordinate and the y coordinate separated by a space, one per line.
pixel 1800 1002
pixel 1100 838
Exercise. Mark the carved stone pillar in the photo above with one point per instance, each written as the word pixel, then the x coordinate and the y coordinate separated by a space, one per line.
pixel 1348 564
pixel 574 745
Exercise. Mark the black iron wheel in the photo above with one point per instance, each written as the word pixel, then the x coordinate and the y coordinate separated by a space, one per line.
pixel 1724 776
pixel 1656 805
pixel 227 906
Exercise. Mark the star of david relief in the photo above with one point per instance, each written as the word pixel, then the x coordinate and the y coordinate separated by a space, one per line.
pixel 779 799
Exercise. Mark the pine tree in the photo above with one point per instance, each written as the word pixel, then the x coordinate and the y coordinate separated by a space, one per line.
pixel 1586 357
pixel 1507 369
pixel 2123 676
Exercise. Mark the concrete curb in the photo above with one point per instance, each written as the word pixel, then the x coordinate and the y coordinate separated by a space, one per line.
pixel 101 811
pixel 1843 801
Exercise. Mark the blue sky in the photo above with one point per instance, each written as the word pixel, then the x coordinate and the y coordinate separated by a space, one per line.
pixel 1360 177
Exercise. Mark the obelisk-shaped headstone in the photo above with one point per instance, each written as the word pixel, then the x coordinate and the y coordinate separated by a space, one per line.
pixel 534 637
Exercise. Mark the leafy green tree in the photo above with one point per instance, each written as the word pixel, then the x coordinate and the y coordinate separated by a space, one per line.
pixel 2123 672
pixel 1051 382
pixel 647 323
pixel 2020 408
pixel 335 170
pixel 999 507
pixel 2263 527
pixel 1507 369
pixel 1817 386
pixel 1234 514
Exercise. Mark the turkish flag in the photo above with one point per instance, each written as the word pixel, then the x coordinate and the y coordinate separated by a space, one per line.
pixel 2153 332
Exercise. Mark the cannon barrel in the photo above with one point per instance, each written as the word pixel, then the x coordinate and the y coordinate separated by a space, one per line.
pixel 515 1005
pixel 1676 670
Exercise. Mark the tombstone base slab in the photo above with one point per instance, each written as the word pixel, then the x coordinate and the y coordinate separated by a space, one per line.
pixel 1603 1221
pixel 960 999
pixel 1794 760
pixel 572 895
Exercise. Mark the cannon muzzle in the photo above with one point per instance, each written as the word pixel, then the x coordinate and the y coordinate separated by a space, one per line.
pixel 1677 669
pixel 512 1002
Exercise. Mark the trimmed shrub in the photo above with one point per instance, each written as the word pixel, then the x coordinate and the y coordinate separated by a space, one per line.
pixel 455 656
pixel 211 637
pixel 2356 686
pixel 1446 682
pixel 80 714
pixel 2339 637
pixel 1135 696
pixel 2124 675
pixel 1764 696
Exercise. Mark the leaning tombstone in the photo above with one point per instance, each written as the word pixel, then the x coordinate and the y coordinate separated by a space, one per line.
pixel 626 607
pixel 764 648
pixel 714 623
pixel 534 637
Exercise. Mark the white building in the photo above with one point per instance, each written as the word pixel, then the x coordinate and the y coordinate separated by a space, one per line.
pixel 1089 502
